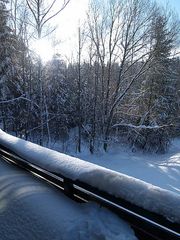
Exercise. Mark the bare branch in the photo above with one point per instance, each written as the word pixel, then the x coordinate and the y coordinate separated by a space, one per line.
pixel 55 14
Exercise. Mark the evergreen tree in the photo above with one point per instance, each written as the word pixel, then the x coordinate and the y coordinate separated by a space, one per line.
pixel 6 66
pixel 159 105
pixel 12 75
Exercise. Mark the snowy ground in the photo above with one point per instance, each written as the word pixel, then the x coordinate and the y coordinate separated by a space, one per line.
pixel 31 210
pixel 132 189
pixel 161 170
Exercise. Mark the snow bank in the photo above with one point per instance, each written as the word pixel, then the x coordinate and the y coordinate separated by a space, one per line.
pixel 30 209
pixel 142 194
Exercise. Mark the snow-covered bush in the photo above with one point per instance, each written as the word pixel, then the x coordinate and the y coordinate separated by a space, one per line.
pixel 149 139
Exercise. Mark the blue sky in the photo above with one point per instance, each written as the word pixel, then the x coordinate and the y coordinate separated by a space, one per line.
pixel 68 21
pixel 175 4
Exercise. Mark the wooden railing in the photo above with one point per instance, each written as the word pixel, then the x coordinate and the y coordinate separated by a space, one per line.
pixel 147 225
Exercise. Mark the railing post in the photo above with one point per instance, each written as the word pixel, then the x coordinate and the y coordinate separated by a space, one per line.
pixel 68 187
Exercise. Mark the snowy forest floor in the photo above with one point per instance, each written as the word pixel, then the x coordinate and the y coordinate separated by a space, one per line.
pixel 162 170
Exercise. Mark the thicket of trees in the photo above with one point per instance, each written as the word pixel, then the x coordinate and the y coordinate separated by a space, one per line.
pixel 124 84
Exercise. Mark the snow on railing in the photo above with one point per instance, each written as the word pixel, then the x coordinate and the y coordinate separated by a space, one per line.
pixel 135 191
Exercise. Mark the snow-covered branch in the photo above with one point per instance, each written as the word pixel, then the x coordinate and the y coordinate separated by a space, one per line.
pixel 17 99
pixel 141 126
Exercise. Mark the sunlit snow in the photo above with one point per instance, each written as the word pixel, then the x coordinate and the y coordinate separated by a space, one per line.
pixel 136 191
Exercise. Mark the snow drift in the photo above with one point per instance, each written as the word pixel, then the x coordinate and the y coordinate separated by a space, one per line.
pixel 31 210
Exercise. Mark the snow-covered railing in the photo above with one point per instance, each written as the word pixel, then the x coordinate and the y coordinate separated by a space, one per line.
pixel 108 187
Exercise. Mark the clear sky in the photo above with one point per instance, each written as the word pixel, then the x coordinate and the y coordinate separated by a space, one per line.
pixel 76 10
pixel 68 21
pixel 175 4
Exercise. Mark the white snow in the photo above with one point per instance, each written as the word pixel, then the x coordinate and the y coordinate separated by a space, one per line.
pixel 139 126
pixel 132 189
pixel 30 209
pixel 162 170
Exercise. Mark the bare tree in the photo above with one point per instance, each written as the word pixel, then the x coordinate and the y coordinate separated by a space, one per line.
pixel 120 32
pixel 42 14
pixel 79 89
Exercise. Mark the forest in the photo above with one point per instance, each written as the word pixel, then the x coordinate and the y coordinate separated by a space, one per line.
pixel 123 84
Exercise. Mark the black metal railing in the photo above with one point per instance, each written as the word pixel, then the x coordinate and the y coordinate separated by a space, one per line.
pixel 147 225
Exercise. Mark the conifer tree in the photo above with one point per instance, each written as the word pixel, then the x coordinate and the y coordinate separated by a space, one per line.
pixel 159 105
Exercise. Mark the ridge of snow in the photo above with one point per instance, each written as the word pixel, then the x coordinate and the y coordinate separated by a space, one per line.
pixel 136 191
pixel 32 210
